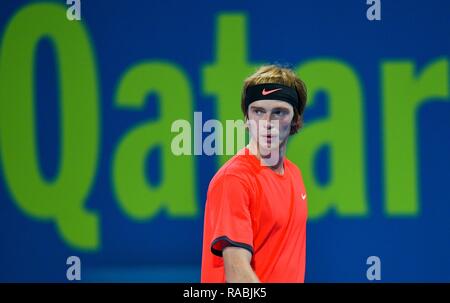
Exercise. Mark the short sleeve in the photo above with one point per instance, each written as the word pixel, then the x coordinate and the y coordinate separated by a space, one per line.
pixel 230 218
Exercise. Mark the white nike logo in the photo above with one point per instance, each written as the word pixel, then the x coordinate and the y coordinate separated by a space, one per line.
pixel 303 196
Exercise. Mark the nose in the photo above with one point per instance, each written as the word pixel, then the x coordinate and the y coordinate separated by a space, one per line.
pixel 268 122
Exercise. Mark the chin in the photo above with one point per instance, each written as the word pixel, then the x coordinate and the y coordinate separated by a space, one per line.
pixel 266 147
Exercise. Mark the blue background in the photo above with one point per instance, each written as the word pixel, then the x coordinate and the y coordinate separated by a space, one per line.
pixel 163 249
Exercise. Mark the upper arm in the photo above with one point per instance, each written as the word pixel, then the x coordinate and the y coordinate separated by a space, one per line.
pixel 237 264
pixel 236 255
pixel 228 216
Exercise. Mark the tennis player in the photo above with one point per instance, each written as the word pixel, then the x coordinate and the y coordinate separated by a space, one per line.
pixel 256 207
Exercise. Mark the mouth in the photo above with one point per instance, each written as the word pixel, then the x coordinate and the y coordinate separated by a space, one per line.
pixel 268 138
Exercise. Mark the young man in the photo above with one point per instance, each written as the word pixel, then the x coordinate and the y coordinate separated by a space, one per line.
pixel 256 211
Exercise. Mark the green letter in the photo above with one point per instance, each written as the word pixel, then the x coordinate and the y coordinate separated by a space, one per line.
pixel 342 131
pixel 61 199
pixel 404 91
pixel 137 198
pixel 224 79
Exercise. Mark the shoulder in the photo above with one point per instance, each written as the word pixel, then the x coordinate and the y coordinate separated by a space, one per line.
pixel 239 170
pixel 293 167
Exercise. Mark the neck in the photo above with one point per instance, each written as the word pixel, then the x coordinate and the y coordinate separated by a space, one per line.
pixel 278 167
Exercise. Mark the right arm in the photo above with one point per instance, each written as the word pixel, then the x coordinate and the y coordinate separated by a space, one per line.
pixel 237 265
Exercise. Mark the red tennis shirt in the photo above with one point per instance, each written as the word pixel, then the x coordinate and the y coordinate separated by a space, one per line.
pixel 249 205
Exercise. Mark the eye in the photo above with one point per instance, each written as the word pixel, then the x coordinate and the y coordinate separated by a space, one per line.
pixel 279 113
pixel 258 111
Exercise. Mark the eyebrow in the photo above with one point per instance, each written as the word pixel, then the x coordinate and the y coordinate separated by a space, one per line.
pixel 275 108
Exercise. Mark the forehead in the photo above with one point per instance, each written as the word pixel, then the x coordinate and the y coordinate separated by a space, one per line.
pixel 270 104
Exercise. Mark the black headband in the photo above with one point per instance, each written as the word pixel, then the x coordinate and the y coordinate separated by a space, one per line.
pixel 271 91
